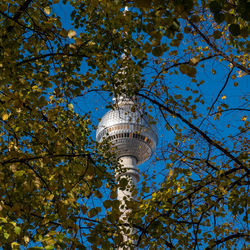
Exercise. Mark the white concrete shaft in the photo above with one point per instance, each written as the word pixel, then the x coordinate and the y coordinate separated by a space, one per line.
pixel 129 171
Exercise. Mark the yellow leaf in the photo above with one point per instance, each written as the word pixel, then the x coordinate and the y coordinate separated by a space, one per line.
pixel 244 118
pixel 195 60
pixel 170 173
pixel 15 245
pixel 47 10
pixel 154 196
pixel 50 197
pixel 71 33
pixel 223 97
pixel 142 206
pixel 26 239
pixel 71 106
pixel 5 116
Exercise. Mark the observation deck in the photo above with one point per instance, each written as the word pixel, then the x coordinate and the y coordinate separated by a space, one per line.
pixel 129 130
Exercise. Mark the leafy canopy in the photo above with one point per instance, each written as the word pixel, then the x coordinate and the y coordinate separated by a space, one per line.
pixel 187 60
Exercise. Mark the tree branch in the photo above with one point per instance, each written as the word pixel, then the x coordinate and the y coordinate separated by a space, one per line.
pixel 22 8
pixel 182 63
pixel 25 27
pixel 217 97
pixel 203 134
pixel 230 237
pixel 48 55
pixel 24 160
pixel 200 219
pixel 219 52
pixel 188 62
pixel 232 109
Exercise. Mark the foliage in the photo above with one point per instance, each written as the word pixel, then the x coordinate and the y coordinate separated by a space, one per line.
pixel 51 167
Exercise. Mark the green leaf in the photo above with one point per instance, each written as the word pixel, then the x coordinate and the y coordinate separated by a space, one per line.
pixel 217 34
pixel 188 70
pixel 107 204
pixel 143 3
pixel 147 47
pixel 157 51
pixel 219 17
pixel 234 29
pixel 17 230
pixel 123 182
pixel 6 235
pixel 92 212
pixel 19 173
pixel 215 6
pixel 195 18
pixel 49 247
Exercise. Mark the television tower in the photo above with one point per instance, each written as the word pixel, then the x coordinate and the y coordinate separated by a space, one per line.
pixel 133 138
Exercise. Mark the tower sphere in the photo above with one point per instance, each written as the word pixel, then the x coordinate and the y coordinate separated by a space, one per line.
pixel 128 129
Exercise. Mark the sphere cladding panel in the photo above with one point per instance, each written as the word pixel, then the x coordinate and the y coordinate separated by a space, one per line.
pixel 124 115
pixel 129 132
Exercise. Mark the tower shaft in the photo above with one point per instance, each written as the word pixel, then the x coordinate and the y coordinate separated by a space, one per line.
pixel 130 174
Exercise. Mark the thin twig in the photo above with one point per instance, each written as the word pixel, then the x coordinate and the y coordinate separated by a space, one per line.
pixel 232 109
pixel 217 97
pixel 49 55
